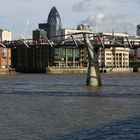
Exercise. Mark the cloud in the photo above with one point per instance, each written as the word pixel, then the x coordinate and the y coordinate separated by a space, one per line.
pixel 115 6
pixel 84 5
pixel 102 18
pixel 108 22
pixel 129 27
pixel 108 14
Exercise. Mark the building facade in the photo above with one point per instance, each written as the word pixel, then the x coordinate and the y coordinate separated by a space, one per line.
pixel 43 26
pixel 64 56
pixel 35 58
pixel 5 57
pixel 5 35
pixel 70 57
pixel 39 34
pixel 109 58
pixel 5 53
pixel 39 57
pixel 53 24
pixel 66 34
pixel 114 57
pixel 116 34
pixel 138 30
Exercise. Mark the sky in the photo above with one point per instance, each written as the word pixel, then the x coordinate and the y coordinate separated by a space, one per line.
pixel 21 17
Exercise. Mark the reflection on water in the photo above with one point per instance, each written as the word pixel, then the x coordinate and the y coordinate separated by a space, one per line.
pixel 45 106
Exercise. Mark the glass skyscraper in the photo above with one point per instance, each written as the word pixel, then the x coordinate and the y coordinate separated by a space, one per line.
pixel 54 23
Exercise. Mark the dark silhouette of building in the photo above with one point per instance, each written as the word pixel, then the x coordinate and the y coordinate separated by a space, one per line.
pixel 138 30
pixel 43 26
pixel 53 25
pixel 39 34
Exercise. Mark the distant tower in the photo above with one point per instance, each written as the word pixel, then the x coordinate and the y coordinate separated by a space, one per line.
pixel 54 24
pixel 5 35
pixel 138 30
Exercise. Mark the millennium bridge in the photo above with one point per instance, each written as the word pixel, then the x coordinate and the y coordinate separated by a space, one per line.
pixel 29 55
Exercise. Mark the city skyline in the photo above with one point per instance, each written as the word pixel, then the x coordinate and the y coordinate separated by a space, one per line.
pixel 105 15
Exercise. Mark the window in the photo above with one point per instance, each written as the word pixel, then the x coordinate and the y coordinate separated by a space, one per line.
pixel 108 58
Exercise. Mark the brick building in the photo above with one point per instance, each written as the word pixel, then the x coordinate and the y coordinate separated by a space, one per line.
pixel 5 57
pixel 5 53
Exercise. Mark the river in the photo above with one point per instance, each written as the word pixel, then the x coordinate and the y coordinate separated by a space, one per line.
pixel 62 107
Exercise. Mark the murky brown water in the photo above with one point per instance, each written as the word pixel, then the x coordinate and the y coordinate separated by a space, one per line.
pixel 45 106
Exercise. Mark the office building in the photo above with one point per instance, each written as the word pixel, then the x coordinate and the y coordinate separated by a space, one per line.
pixel 53 24
pixel 5 53
pixel 66 32
pixel 39 34
pixel 43 26
pixel 138 30
pixel 115 34
pixel 5 57
pixel 114 57
pixel 5 35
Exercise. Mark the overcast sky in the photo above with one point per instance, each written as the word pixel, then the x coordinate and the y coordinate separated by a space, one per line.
pixel 23 16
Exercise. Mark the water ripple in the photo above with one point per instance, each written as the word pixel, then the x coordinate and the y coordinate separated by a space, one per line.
pixel 75 94
pixel 122 130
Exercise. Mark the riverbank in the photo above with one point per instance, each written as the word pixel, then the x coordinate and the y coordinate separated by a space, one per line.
pixel 137 69
pixel 66 70
pixel 7 71
pixel 53 70
pixel 84 70
pixel 135 65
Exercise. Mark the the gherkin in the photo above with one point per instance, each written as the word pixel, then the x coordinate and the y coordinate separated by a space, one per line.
pixel 54 23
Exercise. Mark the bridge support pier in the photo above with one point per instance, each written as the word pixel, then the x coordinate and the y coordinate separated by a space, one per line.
pixel 93 75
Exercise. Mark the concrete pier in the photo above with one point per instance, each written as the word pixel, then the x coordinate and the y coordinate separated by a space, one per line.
pixel 93 75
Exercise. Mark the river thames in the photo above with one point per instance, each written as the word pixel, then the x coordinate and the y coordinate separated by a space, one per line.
pixel 62 107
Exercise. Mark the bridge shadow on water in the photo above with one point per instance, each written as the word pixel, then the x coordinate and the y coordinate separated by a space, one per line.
pixel 120 130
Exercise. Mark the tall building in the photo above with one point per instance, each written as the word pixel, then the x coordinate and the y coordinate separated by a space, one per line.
pixel 39 34
pixel 5 35
pixel 54 23
pixel 43 26
pixel 138 30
